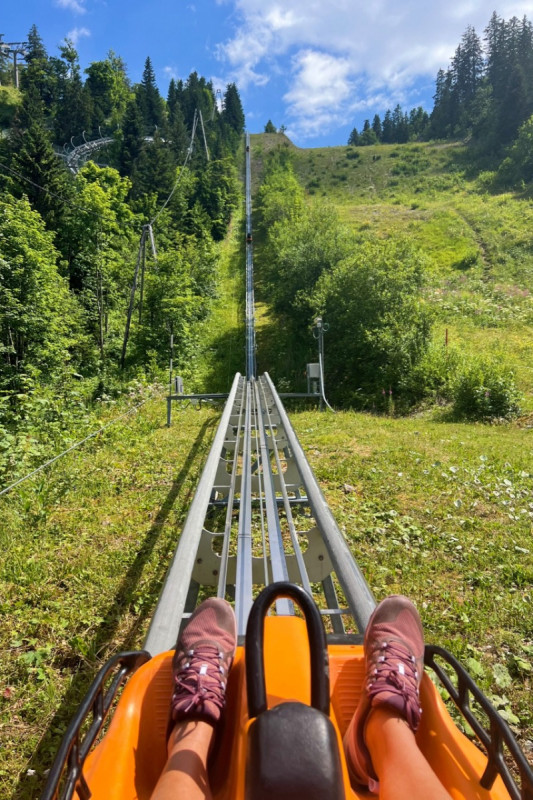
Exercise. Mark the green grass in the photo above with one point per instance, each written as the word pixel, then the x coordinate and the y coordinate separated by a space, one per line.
pixel 479 277
pixel 443 513
pixel 222 337
pixel 85 548
pixel 440 511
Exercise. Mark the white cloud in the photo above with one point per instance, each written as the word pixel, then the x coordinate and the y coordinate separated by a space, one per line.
pixel 77 33
pixel 77 6
pixel 171 72
pixel 321 88
pixel 339 56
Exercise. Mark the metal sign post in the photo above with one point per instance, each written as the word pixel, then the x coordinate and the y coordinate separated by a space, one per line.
pixel 319 330
pixel 169 401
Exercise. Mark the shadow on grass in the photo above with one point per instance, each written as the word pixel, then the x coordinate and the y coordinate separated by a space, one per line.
pixel 227 358
pixel 472 162
pixel 226 354
pixel 30 786
pixel 284 351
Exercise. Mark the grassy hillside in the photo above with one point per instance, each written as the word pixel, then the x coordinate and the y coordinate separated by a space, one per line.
pixel 440 511
pixel 480 274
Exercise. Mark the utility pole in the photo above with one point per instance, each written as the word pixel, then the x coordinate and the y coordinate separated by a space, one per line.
pixel 132 295
pixel 319 330
pixel 169 401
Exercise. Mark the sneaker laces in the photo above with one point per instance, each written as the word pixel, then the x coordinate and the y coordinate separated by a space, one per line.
pixel 395 672
pixel 199 679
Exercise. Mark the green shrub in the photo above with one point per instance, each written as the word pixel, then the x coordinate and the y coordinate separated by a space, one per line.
pixel 485 390
pixel 353 154
pixel 471 259
pixel 433 376
pixel 379 326
pixel 10 100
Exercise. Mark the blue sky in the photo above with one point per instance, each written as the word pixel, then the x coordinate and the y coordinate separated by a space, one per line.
pixel 317 66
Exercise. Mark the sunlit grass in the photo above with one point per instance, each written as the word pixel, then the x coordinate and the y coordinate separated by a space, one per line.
pixel 478 246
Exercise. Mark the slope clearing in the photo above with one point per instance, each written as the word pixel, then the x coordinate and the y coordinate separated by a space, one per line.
pixel 480 274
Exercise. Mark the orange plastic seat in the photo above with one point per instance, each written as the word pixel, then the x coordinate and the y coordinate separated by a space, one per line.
pixel 127 762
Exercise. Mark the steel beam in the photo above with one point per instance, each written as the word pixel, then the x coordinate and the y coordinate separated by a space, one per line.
pixel 166 621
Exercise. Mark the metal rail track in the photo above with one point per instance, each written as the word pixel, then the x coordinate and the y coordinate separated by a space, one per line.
pixel 250 306
pixel 258 514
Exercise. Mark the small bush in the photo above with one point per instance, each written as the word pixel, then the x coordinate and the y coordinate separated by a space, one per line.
pixel 471 259
pixel 432 377
pixel 484 390
pixel 353 154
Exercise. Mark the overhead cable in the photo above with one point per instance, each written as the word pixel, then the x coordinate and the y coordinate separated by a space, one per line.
pixel 73 447
pixel 180 175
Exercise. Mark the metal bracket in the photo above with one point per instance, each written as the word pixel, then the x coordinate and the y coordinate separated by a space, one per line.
pixel 208 563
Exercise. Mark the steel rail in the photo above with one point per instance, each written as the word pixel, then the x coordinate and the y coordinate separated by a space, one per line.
pixel 262 509
pixel 250 320
pixel 221 590
pixel 277 553
pixel 286 504
pixel 165 624
pixel 359 597
pixel 244 584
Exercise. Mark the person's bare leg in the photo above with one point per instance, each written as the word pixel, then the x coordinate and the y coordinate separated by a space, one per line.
pixel 185 774
pixel 403 772
pixel 380 745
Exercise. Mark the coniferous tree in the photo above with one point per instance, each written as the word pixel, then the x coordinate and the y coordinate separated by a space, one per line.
pixel 377 128
pixel 353 139
pixel 149 100
pixel 400 125
pixel 38 73
pixel 178 135
pixel 368 135
pixel 154 170
pixel 34 158
pixel 217 191
pixel 487 94
pixel 172 99
pixel 132 139
pixel 73 114
pixel 388 129
pixel 418 123
pixel 468 66
pixel 196 94
pixel 233 114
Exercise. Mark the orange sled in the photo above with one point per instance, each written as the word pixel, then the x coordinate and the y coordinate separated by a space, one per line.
pixel 282 738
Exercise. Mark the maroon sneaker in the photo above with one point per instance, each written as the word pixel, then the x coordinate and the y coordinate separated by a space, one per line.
pixel 394 655
pixel 202 661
